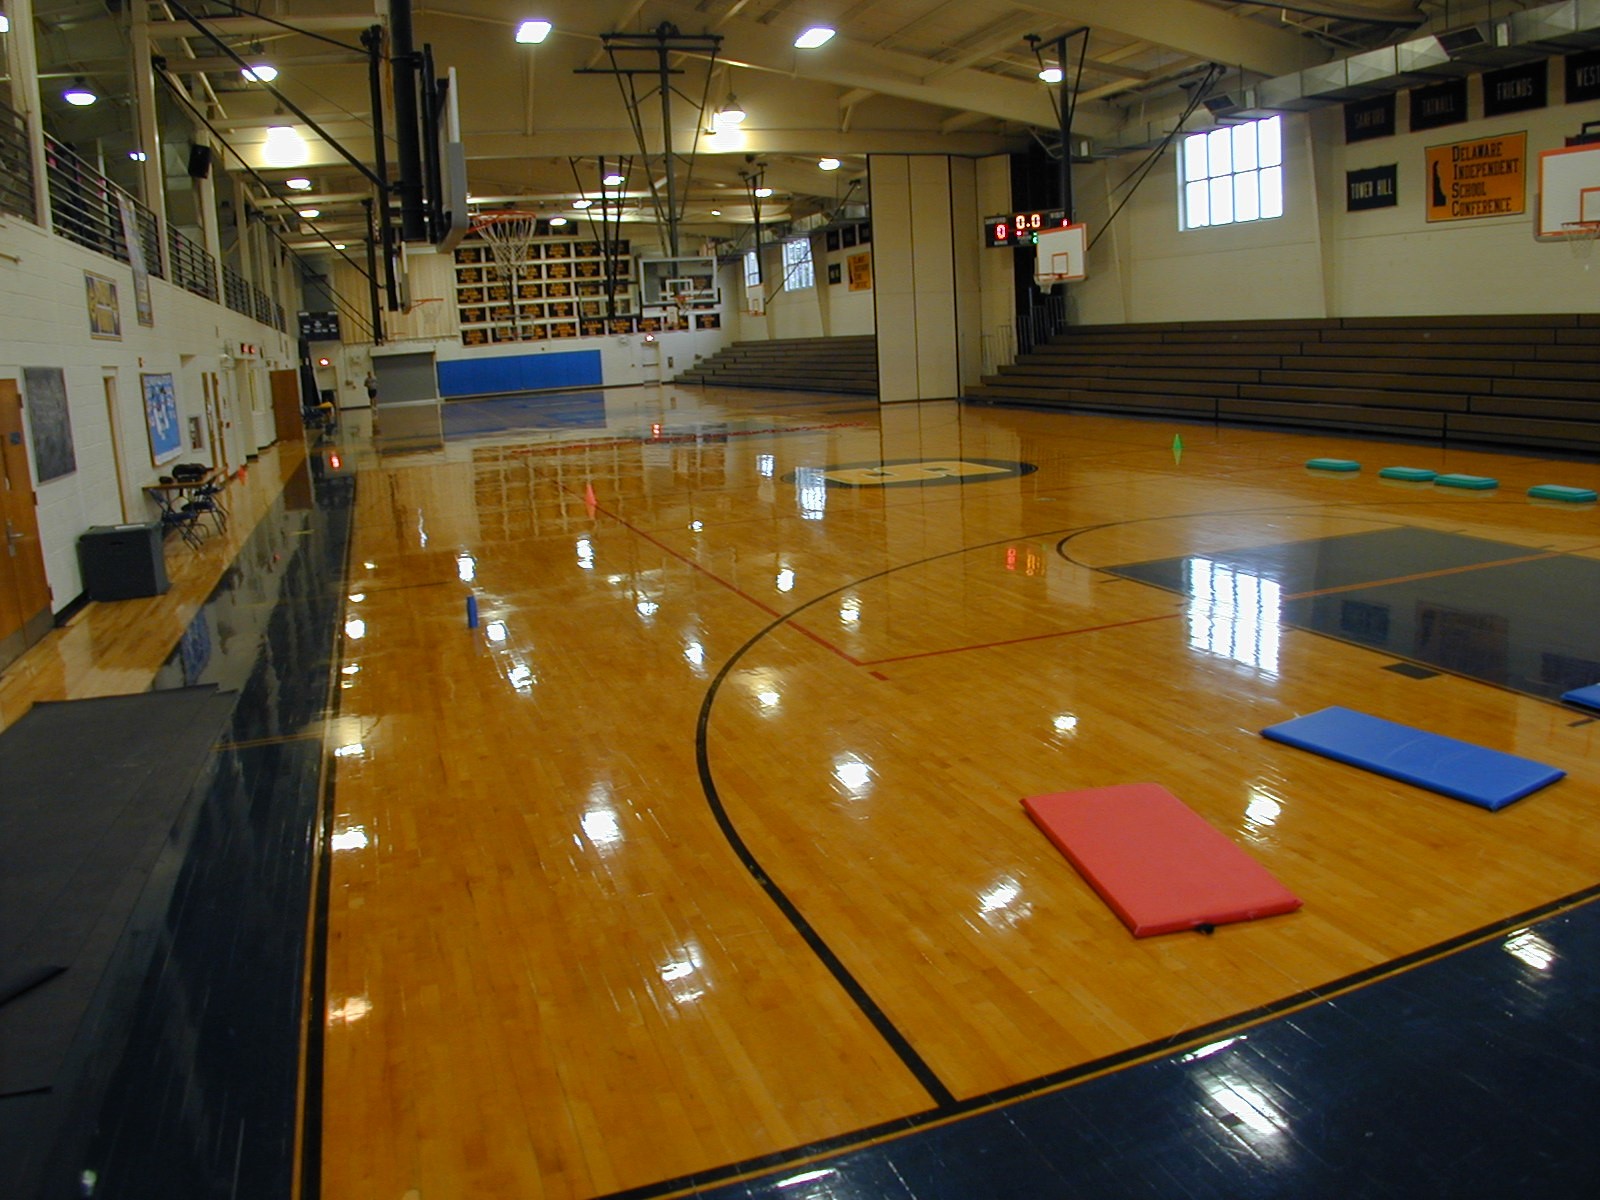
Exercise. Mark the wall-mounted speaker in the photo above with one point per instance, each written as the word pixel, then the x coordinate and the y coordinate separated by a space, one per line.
pixel 199 161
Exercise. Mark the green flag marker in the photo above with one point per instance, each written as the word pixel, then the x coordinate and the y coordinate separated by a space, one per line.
pixel 1177 448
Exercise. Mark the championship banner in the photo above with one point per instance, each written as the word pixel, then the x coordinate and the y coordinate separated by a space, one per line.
pixel 1486 177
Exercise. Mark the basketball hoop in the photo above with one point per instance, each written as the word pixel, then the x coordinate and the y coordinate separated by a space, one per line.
pixel 509 234
pixel 1581 237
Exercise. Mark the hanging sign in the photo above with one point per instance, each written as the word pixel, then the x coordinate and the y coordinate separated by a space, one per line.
pixel 1369 118
pixel 1486 177
pixel 1371 188
pixel 1440 104
pixel 1514 89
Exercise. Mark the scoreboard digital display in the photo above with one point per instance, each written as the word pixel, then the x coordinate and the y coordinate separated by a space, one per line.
pixel 319 326
pixel 1022 228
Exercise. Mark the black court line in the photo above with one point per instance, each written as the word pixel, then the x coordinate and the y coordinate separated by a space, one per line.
pixel 1057 1080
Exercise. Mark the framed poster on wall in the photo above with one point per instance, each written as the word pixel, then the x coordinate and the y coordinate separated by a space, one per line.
pixel 161 418
pixel 105 317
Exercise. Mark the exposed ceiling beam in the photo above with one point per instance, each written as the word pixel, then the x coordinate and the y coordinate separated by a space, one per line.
pixel 590 142
pixel 1194 28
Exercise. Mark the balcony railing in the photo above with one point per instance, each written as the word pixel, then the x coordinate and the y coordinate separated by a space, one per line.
pixel 16 164
pixel 87 208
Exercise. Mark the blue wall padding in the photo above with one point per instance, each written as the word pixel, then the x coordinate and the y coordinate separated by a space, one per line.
pixel 1589 696
pixel 519 373
pixel 1488 778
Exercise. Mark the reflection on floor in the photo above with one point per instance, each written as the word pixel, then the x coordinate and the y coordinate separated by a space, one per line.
pixel 1487 610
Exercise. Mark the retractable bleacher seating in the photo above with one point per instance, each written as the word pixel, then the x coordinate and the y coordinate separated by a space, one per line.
pixel 1523 380
pixel 833 364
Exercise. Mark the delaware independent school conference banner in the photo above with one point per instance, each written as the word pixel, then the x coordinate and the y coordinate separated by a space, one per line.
pixel 1486 177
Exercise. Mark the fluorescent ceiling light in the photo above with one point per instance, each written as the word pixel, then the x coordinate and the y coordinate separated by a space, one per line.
pixel 1051 75
pixel 828 164
pixel 298 184
pixel 284 147
pixel 612 180
pixel 79 95
pixel 260 73
pixel 813 37
pixel 309 213
pixel 533 32
pixel 582 203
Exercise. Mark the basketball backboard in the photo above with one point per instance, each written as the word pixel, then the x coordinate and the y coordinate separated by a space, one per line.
pixel 1569 189
pixel 1060 255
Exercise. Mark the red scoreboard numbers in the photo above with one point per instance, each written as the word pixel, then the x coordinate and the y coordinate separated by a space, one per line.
pixel 1021 229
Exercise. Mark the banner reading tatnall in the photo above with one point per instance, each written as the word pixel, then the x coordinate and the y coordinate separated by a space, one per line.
pixel 1486 177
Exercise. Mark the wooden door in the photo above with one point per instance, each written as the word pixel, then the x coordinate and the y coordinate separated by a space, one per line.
pixel 24 594
pixel 286 405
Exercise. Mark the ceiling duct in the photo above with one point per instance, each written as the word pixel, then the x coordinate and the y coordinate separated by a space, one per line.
pixel 1544 32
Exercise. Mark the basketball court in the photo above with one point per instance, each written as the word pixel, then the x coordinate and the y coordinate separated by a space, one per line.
pixel 701 858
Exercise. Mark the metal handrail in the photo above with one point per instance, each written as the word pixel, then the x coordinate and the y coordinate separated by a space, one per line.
pixel 193 268
pixel 16 164
pixel 235 290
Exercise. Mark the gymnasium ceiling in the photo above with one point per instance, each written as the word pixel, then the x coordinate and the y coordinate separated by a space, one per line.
pixel 941 76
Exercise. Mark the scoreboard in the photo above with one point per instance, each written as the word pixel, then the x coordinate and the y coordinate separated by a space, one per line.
pixel 1022 228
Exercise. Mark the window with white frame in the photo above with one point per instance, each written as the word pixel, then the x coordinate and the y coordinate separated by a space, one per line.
pixel 797 269
pixel 1231 175
pixel 752 271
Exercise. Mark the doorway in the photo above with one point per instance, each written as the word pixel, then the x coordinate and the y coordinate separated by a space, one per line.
pixel 24 593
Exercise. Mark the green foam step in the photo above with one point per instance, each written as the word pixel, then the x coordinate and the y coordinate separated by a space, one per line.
pixel 1333 464
pixel 1413 474
pixel 1472 483
pixel 1555 491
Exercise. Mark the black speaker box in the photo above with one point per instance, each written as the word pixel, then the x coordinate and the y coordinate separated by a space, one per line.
pixel 199 161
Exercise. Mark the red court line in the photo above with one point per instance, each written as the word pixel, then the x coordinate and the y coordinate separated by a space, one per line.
pixel 1440 573
pixel 1032 637
pixel 717 579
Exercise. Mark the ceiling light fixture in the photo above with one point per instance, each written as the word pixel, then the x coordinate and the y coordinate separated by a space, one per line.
pixel 554 221
pixel 816 36
pixel 582 203
pixel 1051 74
pixel 731 112
pixel 138 155
pixel 828 164
pixel 533 32
pixel 763 192
pixel 298 184
pixel 79 94
pixel 284 147
pixel 5 23
pixel 260 73
pixel 338 245
pixel 716 212
pixel 612 180
pixel 309 213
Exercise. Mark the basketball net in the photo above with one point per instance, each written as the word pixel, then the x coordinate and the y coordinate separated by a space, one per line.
pixel 1581 237
pixel 509 235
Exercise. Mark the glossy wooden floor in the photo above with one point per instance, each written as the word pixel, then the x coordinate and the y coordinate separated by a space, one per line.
pixel 705 685
pixel 115 649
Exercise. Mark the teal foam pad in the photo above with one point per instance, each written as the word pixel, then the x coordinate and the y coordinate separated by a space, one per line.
pixel 1413 474
pixel 1333 464
pixel 1488 778
pixel 1555 491
pixel 1473 483
pixel 1589 696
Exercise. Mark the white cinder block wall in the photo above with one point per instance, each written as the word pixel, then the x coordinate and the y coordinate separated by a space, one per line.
pixel 44 322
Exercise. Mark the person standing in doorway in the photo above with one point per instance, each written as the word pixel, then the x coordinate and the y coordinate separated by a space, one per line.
pixel 371 384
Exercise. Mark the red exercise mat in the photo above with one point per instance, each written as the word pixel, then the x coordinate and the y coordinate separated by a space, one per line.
pixel 1155 860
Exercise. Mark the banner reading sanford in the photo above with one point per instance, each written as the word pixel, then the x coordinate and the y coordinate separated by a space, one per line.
pixel 1486 177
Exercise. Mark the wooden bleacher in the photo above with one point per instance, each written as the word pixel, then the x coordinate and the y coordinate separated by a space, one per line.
pixel 833 364
pixel 1503 380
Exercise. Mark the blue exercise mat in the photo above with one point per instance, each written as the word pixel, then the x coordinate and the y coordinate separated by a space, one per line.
pixel 1589 696
pixel 1488 778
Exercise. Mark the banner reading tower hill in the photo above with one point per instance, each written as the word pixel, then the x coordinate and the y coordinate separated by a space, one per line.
pixel 1486 177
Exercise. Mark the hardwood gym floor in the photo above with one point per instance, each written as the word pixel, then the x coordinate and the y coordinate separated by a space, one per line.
pixel 701 857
